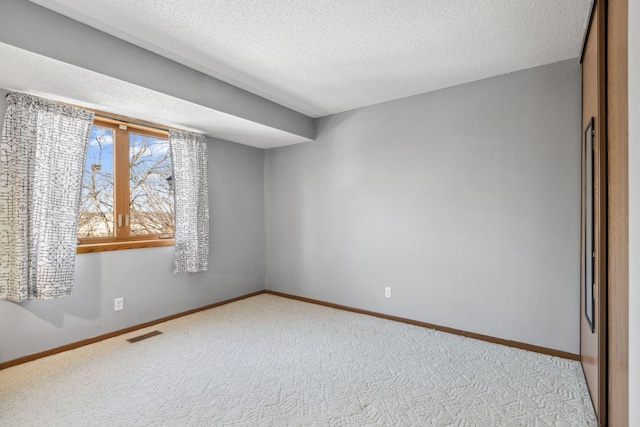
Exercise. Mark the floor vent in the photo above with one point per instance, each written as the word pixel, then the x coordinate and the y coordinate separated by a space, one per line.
pixel 144 337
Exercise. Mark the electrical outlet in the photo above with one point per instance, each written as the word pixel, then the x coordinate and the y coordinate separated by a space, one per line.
pixel 118 304
pixel 387 292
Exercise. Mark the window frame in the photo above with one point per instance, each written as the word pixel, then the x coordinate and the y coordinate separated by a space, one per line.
pixel 121 189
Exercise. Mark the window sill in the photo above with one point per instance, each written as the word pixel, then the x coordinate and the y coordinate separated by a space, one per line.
pixel 115 246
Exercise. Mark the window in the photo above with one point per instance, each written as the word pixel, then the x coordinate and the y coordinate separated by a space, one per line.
pixel 127 192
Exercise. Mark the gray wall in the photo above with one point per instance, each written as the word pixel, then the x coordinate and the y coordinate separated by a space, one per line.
pixel 466 201
pixel 634 213
pixel 144 276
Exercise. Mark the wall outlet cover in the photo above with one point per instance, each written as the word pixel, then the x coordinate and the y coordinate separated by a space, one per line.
pixel 118 304
pixel 387 292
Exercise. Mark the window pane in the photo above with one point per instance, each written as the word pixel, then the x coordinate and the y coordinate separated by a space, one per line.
pixel 151 197
pixel 96 208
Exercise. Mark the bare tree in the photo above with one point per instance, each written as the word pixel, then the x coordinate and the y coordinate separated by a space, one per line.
pixel 151 199
pixel 96 208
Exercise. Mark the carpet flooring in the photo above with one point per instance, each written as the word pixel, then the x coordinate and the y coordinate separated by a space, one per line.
pixel 272 361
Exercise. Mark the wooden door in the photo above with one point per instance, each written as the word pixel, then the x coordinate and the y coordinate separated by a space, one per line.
pixel 593 313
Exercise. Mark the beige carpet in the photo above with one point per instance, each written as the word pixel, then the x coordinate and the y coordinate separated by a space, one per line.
pixel 271 361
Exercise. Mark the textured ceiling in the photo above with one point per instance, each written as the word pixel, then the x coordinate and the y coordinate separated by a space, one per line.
pixel 21 70
pixel 321 57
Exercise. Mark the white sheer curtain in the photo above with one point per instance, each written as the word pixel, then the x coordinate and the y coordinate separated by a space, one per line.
pixel 42 154
pixel 190 174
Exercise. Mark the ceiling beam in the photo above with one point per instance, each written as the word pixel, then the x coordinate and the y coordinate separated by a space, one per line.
pixel 28 26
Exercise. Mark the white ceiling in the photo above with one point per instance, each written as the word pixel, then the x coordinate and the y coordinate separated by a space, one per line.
pixel 317 57
pixel 321 57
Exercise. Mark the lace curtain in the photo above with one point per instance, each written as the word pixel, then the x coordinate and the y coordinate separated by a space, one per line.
pixel 42 154
pixel 190 173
